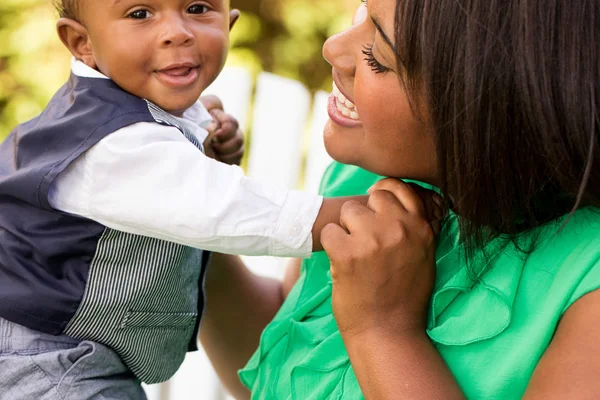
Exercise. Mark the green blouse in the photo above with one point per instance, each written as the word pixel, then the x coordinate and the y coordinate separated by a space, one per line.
pixel 491 328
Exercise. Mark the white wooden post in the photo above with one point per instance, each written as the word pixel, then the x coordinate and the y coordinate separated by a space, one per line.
pixel 280 113
pixel 234 87
pixel 317 158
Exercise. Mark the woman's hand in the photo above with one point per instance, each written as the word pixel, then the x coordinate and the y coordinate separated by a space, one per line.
pixel 383 259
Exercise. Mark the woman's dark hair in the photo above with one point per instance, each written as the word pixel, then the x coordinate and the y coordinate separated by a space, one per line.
pixel 67 8
pixel 513 95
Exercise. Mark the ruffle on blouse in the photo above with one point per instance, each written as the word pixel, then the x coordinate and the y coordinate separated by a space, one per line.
pixel 465 309
pixel 325 371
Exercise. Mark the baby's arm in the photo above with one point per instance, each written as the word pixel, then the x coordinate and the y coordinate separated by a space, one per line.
pixel 148 179
pixel 228 142
pixel 330 213
pixel 227 139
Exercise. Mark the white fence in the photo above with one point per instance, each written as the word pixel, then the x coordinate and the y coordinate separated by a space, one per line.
pixel 286 148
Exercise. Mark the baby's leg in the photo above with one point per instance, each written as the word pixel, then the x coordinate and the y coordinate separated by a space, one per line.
pixel 34 365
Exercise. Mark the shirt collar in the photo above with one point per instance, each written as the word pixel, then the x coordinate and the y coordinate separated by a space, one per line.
pixel 80 69
pixel 197 113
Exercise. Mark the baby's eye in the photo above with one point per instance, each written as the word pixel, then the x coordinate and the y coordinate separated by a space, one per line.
pixel 140 14
pixel 197 9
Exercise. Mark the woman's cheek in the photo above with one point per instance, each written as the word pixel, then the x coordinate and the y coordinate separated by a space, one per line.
pixel 377 96
pixel 376 118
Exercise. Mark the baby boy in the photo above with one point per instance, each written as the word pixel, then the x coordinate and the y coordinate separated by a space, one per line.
pixel 109 205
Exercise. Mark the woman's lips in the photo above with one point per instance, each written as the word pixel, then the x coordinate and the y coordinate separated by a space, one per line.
pixel 341 110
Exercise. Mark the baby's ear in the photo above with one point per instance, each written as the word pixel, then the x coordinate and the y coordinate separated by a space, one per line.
pixel 234 15
pixel 75 37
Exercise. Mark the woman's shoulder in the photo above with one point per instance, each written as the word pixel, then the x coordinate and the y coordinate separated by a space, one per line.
pixel 570 252
pixel 565 253
pixel 574 235
pixel 509 281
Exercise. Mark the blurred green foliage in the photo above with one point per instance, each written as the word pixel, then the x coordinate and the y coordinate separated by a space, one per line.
pixel 280 36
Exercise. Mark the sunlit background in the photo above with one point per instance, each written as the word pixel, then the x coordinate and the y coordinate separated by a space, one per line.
pixel 280 36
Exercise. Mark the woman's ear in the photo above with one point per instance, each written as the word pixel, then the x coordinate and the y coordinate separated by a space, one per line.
pixel 234 15
pixel 76 38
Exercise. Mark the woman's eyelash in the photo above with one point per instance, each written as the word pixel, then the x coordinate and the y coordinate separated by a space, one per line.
pixel 372 62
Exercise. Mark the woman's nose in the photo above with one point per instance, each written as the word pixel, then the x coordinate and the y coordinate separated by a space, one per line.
pixel 176 32
pixel 340 51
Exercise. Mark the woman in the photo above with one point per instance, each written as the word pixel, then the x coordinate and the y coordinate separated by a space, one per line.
pixel 495 102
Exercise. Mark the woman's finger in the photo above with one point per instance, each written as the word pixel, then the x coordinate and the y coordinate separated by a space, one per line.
pixel 385 202
pixel 436 226
pixel 355 217
pixel 334 240
pixel 405 194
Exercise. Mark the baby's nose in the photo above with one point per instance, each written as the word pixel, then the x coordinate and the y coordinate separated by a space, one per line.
pixel 177 33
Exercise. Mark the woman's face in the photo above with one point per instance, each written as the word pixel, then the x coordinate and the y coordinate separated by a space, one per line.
pixel 375 127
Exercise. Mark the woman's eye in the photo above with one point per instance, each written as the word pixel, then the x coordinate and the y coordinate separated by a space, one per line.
pixel 372 62
pixel 197 9
pixel 140 14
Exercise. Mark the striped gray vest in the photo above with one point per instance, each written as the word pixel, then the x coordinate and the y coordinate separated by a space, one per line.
pixel 140 296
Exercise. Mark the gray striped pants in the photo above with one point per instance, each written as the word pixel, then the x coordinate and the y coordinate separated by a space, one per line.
pixel 35 365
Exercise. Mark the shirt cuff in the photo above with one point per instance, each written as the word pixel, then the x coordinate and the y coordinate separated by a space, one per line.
pixel 293 234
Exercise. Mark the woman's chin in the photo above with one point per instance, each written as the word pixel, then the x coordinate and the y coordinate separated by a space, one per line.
pixel 342 144
pixel 339 154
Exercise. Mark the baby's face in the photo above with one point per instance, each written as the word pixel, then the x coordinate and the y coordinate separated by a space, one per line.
pixel 166 51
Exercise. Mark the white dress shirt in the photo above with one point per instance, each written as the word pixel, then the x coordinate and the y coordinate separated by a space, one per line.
pixel 148 179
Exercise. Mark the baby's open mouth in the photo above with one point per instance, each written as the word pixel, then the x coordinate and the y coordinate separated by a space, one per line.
pixel 178 71
pixel 179 75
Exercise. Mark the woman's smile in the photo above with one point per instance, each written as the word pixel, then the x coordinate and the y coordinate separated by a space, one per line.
pixel 341 110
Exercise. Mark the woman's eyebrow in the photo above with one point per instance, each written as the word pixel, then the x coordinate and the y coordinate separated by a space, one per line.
pixel 387 39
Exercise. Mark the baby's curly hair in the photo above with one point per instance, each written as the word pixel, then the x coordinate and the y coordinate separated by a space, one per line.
pixel 67 8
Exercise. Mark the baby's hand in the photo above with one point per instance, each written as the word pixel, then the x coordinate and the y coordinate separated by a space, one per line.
pixel 225 141
pixel 228 140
